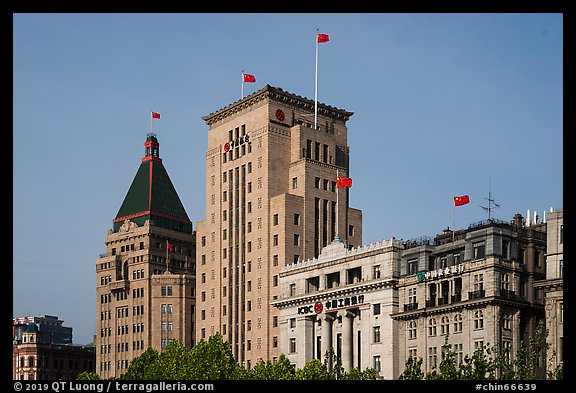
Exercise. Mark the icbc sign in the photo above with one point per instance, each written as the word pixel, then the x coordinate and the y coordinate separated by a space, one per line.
pixel 316 308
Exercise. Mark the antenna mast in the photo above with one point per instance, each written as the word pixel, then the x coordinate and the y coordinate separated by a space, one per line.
pixel 490 203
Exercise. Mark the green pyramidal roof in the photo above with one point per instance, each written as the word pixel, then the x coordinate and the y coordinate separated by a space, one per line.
pixel 152 195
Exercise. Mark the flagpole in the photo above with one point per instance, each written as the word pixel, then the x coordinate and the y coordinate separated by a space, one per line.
pixel 316 85
pixel 453 218
pixel 151 121
pixel 242 84
pixel 167 257
pixel 337 192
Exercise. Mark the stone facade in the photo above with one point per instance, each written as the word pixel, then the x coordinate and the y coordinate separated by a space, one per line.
pixel 144 295
pixel 342 302
pixel 271 200
pixel 553 288
pixel 474 288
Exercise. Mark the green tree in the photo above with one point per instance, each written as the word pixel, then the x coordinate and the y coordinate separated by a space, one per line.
pixel 412 369
pixel 144 366
pixel 281 369
pixel 213 359
pixel 88 376
pixel 312 370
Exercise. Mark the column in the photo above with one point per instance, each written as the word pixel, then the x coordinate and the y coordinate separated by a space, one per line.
pixel 347 338
pixel 326 340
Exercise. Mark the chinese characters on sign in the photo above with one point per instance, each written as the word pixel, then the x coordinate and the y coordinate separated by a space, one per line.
pixel 441 273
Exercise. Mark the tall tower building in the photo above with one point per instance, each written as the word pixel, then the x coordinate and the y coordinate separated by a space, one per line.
pixel 145 281
pixel 271 200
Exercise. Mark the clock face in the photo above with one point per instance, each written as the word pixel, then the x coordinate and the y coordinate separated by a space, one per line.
pixel 280 115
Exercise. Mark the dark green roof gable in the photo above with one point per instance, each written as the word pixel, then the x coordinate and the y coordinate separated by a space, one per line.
pixel 152 195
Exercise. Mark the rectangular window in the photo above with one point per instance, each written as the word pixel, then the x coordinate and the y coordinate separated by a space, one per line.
pixel 479 250
pixel 275 219
pixel 316 182
pixel 376 334
pixel 412 266
pixel 292 345
pixel 296 239
pixel 294 183
pixel 275 240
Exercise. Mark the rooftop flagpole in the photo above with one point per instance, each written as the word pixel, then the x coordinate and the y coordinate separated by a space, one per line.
pixel 316 84
pixel 242 84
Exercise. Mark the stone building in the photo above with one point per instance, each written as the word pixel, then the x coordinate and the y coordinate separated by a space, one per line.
pixel 145 281
pixel 271 201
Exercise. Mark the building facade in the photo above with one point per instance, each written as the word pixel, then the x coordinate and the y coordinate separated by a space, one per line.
pixel 145 282
pixel 474 287
pixel 553 288
pixel 382 303
pixel 34 357
pixel 340 303
pixel 271 201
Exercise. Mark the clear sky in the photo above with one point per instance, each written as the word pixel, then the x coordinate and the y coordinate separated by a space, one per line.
pixel 444 104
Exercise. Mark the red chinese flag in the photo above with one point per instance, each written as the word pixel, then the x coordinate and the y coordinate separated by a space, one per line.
pixel 342 182
pixel 249 78
pixel 170 246
pixel 323 38
pixel 155 115
pixel 461 200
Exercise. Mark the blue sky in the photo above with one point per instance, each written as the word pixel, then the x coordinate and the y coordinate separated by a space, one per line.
pixel 444 105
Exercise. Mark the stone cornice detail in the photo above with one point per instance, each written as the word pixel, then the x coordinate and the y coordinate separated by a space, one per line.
pixel 276 94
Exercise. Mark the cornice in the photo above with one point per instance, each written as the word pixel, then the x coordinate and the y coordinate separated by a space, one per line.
pixel 276 94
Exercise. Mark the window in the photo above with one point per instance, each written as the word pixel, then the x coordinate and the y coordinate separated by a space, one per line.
pixel 432 357
pixel 479 250
pixel 458 323
pixel 296 258
pixel 350 230
pixel 275 240
pixel 432 327
pixel 478 282
pixel 412 266
pixel 292 289
pixel 376 334
pixel 275 260
pixel 376 271
pixel 377 363
pixel 296 219
pixel 294 183
pixel 412 329
pixel 296 239
pixel 316 182
pixel 275 219
pixel 478 320
pixel 445 326
pixel 459 353
pixel 292 345
pixel 411 295
pixel 376 309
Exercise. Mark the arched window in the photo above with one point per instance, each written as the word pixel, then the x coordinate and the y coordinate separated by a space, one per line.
pixel 31 361
pixel 445 325
pixel 478 319
pixel 432 327
pixel 457 323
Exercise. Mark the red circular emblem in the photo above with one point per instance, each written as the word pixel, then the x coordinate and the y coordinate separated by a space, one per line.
pixel 226 147
pixel 280 115
pixel 318 307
